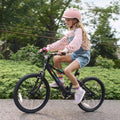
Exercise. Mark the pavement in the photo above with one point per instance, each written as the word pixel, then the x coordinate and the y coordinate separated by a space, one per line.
pixel 61 110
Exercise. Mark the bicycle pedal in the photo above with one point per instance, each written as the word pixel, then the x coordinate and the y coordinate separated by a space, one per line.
pixel 55 87
pixel 70 97
pixel 67 97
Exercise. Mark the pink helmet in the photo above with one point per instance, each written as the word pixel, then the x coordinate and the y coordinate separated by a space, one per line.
pixel 72 13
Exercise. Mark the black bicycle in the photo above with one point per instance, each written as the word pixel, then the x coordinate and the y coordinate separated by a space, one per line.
pixel 32 91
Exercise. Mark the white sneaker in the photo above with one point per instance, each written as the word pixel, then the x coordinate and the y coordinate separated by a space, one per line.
pixel 54 84
pixel 79 94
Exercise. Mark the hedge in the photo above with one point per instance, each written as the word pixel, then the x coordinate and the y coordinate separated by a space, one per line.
pixel 12 71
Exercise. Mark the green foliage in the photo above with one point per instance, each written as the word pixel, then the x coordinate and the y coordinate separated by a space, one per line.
pixel 34 17
pixel 1 56
pixel 110 78
pixel 28 53
pixel 5 52
pixel 104 62
pixel 104 39
pixel 12 71
pixel 94 54
pixel 117 63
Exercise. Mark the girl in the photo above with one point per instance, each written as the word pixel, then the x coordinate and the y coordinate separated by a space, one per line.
pixel 77 46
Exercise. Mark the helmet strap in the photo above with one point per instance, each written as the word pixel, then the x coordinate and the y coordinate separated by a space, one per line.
pixel 74 23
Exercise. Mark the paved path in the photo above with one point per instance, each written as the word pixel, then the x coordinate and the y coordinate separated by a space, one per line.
pixel 61 110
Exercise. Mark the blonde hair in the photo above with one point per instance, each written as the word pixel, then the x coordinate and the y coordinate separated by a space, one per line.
pixel 80 25
pixel 84 34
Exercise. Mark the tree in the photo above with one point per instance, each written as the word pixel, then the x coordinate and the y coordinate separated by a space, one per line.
pixel 38 17
pixel 41 13
pixel 103 39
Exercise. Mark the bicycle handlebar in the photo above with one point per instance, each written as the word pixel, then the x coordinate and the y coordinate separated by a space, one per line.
pixel 63 53
pixel 44 52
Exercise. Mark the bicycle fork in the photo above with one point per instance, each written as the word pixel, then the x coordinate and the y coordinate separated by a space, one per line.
pixel 35 87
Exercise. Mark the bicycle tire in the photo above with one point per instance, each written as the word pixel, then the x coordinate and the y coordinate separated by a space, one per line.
pixel 92 100
pixel 28 96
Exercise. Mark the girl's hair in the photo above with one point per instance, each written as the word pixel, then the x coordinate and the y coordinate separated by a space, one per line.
pixel 84 34
pixel 80 25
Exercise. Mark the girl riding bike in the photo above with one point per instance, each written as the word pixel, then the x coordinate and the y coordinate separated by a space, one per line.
pixel 76 45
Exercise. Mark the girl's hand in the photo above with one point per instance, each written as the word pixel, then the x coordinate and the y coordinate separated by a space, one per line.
pixel 61 52
pixel 40 50
pixel 43 50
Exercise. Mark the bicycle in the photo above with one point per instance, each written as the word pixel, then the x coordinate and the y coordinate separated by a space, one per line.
pixel 32 91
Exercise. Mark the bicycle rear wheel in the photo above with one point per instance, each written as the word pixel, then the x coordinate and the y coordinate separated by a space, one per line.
pixel 31 93
pixel 95 93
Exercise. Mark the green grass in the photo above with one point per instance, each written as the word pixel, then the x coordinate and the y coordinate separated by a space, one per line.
pixel 11 72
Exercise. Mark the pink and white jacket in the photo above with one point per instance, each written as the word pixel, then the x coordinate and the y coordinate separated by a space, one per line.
pixel 72 42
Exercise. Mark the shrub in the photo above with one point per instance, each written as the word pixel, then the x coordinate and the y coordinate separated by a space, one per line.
pixel 104 62
pixel 28 53
pixel 12 71
pixel 1 56
pixel 117 63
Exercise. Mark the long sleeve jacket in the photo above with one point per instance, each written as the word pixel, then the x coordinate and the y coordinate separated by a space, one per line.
pixel 72 42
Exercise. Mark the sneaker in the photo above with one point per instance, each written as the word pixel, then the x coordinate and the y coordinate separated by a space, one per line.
pixel 54 84
pixel 79 94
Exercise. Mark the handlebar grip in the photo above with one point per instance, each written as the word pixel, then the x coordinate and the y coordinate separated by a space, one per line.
pixel 63 53
pixel 43 51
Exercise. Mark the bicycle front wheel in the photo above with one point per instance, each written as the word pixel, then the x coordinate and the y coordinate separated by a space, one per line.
pixel 31 93
pixel 95 93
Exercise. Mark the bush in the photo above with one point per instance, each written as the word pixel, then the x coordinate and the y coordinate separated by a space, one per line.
pixel 117 63
pixel 1 56
pixel 12 71
pixel 28 53
pixel 104 62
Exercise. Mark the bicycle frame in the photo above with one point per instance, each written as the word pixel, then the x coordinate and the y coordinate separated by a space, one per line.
pixel 50 68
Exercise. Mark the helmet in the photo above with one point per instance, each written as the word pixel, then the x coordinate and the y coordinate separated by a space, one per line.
pixel 72 13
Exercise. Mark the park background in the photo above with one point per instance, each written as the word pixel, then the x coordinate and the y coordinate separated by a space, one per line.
pixel 26 26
